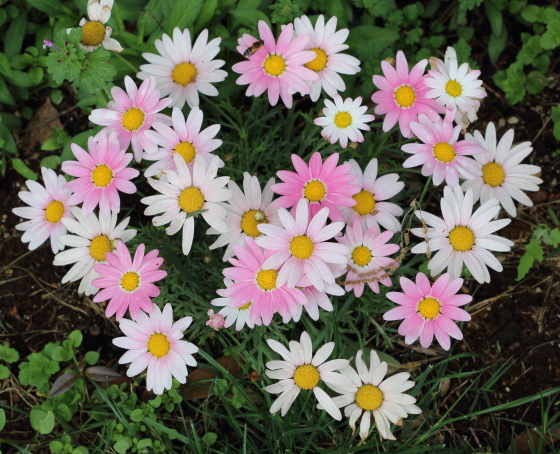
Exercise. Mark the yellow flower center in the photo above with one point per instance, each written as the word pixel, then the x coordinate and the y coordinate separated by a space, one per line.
pixel 343 119
pixel 314 191
pixel 444 152
pixel 102 176
pixel 99 247
pixel 493 174
pixel 54 211
pixel 405 96
pixel 361 255
pixel 159 345
pixel 461 238
pixel 365 202
pixel 266 279
pixel 369 397
pixel 93 33
pixel 319 62
pixel 429 308
pixel 250 220
pixel 274 65
pixel 191 200
pixel 184 74
pixel 453 88
pixel 130 281
pixel 301 247
pixel 133 119
pixel 186 150
pixel 246 306
pixel 306 376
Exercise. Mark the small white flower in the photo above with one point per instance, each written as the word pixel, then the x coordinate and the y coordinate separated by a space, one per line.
pixel 237 315
pixel 187 192
pixel 343 120
pixel 182 70
pixel 95 33
pixel 245 211
pixel 456 87
pixel 502 174
pixel 326 42
pixel 91 241
pixel 370 394
pixel 300 370
pixel 462 236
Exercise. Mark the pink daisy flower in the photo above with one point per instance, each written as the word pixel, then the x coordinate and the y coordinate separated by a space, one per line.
pixel 442 154
pixel 153 342
pixel 319 184
pixel 48 205
pixel 276 67
pixel 429 310
pixel 127 283
pixel 185 139
pixel 131 113
pixel 300 246
pixel 402 95
pixel 100 173
pixel 372 207
pixel 368 254
pixel 257 285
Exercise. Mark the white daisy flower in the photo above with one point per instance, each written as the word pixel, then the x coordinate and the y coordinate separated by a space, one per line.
pixel 182 70
pixel 502 174
pixel 237 315
pixel 185 139
pixel 96 34
pixel 48 205
pixel 371 208
pixel 300 370
pixel 456 87
pixel 153 342
pixel 370 394
pixel 188 192
pixel 245 211
pixel 462 236
pixel 343 120
pixel 93 238
pixel 326 42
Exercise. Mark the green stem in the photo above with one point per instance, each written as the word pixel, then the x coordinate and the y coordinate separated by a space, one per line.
pixel 126 62
pixel 335 332
pixel 425 189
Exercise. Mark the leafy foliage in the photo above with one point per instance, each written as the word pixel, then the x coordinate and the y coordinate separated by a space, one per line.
pixel 534 250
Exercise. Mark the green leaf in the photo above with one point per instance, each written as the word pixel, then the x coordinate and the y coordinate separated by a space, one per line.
pixel 249 17
pixel 36 74
pixel 137 415
pixel 92 358
pixel 206 13
pixel 535 82
pixel 548 41
pixel 42 422
pixel 56 447
pixel 8 354
pixel 6 136
pixel 5 95
pixel 51 145
pixel 51 162
pixel 80 450
pixel 183 14
pixel 5 67
pixel 144 443
pixel 336 8
pixel 555 237
pixel 377 37
pixel 209 438
pixel 122 445
pixel 525 265
pixel 61 354
pixel 20 167
pixel 497 45
pixel 532 13
pixel 2 419
pixel 16 32
pixel 76 338
pixel 51 7
pixel 495 18
pixel 4 372
pixel 534 248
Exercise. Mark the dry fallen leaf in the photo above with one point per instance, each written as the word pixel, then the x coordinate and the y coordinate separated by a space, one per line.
pixel 38 130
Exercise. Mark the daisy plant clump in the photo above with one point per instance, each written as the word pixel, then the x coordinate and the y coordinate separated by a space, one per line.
pixel 300 371
pixel 343 120
pixel 501 173
pixel 329 62
pixel 276 67
pixel 182 69
pixel 154 342
pixel 48 205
